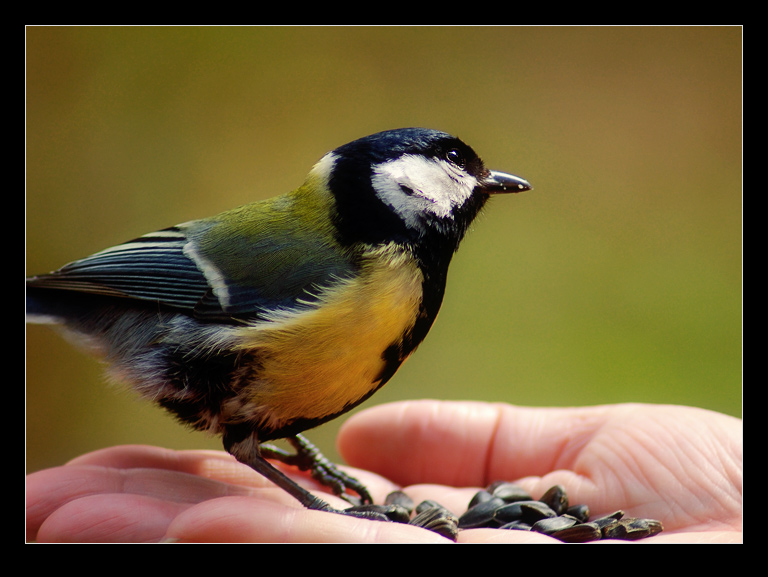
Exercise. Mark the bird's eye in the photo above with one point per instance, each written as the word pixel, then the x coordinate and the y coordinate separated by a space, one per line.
pixel 454 156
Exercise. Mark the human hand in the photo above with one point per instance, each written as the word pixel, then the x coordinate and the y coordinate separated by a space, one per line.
pixel 680 465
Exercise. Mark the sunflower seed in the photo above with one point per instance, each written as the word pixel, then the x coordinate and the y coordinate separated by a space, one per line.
pixel 510 492
pixel 528 511
pixel 553 524
pixel 438 519
pixel 481 515
pixel 392 512
pixel 556 498
pixel 579 533
pixel 401 499
pixel 581 512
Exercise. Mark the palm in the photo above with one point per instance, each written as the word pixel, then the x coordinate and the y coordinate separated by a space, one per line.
pixel 676 464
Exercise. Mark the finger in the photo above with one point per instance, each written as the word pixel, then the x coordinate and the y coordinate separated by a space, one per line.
pixel 183 476
pixel 211 464
pixel 417 442
pixel 490 536
pixel 466 443
pixel 216 465
pixel 51 489
pixel 248 520
pixel 236 519
pixel 110 519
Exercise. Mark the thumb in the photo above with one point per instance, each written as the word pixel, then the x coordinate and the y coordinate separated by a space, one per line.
pixel 466 443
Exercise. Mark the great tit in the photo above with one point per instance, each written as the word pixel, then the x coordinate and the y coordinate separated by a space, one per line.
pixel 272 318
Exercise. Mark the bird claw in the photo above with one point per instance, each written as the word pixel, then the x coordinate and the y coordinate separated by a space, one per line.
pixel 309 458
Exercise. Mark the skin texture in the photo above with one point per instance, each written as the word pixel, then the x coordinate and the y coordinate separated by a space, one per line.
pixel 680 465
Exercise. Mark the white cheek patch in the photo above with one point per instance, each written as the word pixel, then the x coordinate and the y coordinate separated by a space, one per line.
pixel 323 169
pixel 414 185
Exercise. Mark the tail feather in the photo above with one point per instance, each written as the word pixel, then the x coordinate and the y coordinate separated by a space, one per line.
pixel 40 309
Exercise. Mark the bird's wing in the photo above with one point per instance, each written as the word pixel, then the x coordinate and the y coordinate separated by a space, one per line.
pixel 253 272
pixel 152 267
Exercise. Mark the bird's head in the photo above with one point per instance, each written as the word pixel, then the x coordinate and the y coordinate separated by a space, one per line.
pixel 408 184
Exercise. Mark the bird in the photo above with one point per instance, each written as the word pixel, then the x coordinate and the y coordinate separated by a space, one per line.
pixel 275 317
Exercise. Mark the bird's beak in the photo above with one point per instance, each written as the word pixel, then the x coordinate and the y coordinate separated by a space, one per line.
pixel 501 182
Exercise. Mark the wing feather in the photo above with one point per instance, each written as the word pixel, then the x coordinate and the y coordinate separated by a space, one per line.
pixel 175 267
pixel 152 267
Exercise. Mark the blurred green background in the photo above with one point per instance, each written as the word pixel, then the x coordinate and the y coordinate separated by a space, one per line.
pixel 619 278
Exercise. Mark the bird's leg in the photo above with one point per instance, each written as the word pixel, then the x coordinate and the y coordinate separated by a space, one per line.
pixel 259 464
pixel 309 458
pixel 249 452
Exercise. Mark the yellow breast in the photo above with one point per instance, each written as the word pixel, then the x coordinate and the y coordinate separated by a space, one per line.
pixel 315 362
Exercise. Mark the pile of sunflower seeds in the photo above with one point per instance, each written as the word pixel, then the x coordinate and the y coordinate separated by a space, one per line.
pixel 505 505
